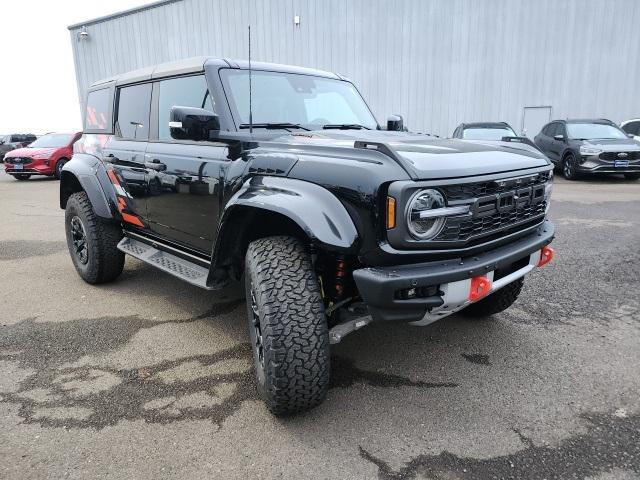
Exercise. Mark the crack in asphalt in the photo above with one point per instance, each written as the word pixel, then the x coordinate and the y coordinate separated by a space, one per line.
pixel 477 358
pixel 609 443
pixel 211 386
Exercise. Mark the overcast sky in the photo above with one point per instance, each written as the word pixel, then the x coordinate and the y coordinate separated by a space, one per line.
pixel 38 92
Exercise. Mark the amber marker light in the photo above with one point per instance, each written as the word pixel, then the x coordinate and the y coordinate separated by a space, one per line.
pixel 391 213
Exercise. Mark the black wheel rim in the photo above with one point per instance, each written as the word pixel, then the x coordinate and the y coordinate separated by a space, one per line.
pixel 257 330
pixel 59 167
pixel 79 239
pixel 568 168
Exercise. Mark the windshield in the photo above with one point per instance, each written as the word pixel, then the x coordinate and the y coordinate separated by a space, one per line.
pixel 487 133
pixel 312 102
pixel 52 140
pixel 592 131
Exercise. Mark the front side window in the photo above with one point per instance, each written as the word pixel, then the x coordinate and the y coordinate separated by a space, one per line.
pixel 134 103
pixel 181 92
pixel 594 131
pixel 632 127
pixel 52 140
pixel 487 133
pixel 97 111
pixel 310 101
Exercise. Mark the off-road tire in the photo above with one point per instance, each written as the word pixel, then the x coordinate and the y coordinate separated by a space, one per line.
pixel 632 176
pixel 293 375
pixel 104 261
pixel 496 302
pixel 57 171
pixel 22 176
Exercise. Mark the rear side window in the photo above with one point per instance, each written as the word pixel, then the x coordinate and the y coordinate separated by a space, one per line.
pixel 132 120
pixel 181 92
pixel 97 114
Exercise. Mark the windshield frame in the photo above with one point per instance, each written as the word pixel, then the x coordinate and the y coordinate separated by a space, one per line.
pixel 568 126
pixel 235 116
pixel 68 135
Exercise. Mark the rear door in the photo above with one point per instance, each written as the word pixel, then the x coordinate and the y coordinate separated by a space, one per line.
pixel 185 177
pixel 125 153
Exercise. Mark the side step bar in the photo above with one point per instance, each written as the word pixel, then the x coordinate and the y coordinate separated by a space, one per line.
pixel 167 262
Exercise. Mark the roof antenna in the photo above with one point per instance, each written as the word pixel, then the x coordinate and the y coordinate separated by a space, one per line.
pixel 250 105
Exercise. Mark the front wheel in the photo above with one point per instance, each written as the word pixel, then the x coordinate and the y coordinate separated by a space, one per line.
pixel 569 169
pixel 287 325
pixel 632 176
pixel 496 302
pixel 92 241
pixel 58 170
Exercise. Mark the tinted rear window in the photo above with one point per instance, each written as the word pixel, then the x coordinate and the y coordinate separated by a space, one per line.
pixel 97 111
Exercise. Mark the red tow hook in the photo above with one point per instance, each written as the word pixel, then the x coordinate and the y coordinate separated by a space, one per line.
pixel 546 255
pixel 480 287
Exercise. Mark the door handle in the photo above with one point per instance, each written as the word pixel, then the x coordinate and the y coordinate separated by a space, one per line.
pixel 156 165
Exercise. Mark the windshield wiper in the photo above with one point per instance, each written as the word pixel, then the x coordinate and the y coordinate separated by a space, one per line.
pixel 344 126
pixel 274 126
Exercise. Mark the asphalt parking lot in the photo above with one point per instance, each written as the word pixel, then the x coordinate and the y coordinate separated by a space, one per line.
pixel 151 378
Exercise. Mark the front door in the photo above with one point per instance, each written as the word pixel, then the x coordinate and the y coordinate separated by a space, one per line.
pixel 185 178
pixel 124 154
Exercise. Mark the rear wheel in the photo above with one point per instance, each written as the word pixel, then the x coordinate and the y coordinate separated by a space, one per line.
pixel 287 325
pixel 569 169
pixel 632 176
pixel 22 176
pixel 92 241
pixel 58 170
pixel 496 302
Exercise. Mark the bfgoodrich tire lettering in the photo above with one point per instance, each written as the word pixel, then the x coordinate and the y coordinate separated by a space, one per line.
pixel 496 302
pixel 101 261
pixel 291 341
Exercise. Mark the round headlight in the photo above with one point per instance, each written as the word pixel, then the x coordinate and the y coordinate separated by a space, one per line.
pixel 422 225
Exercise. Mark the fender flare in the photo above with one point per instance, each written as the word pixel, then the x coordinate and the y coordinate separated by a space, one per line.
pixel 317 211
pixel 91 176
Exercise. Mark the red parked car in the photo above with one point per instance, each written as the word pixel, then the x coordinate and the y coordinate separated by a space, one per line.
pixel 46 156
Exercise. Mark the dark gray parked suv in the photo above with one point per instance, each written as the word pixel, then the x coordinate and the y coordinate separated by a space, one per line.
pixel 589 146
pixel 16 140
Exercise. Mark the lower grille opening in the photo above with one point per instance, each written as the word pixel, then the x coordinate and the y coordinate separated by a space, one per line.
pixel 508 270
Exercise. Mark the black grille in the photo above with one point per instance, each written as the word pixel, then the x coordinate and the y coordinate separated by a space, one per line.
pixel 467 191
pixel 464 228
pixel 524 207
pixel 613 156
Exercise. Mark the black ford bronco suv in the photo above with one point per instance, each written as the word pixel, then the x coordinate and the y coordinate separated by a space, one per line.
pixel 281 177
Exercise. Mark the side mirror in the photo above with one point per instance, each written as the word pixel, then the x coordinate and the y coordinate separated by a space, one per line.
pixel 395 123
pixel 631 135
pixel 560 138
pixel 189 123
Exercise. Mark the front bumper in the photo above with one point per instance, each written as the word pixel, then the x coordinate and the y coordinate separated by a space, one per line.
pixel 594 164
pixel 378 287
pixel 36 167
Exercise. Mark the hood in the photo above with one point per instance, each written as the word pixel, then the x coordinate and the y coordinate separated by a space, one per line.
pixel 614 144
pixel 426 157
pixel 30 152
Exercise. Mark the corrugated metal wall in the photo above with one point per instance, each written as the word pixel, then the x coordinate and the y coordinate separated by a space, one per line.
pixel 437 62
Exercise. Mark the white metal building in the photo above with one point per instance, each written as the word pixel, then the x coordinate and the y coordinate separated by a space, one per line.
pixel 436 62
